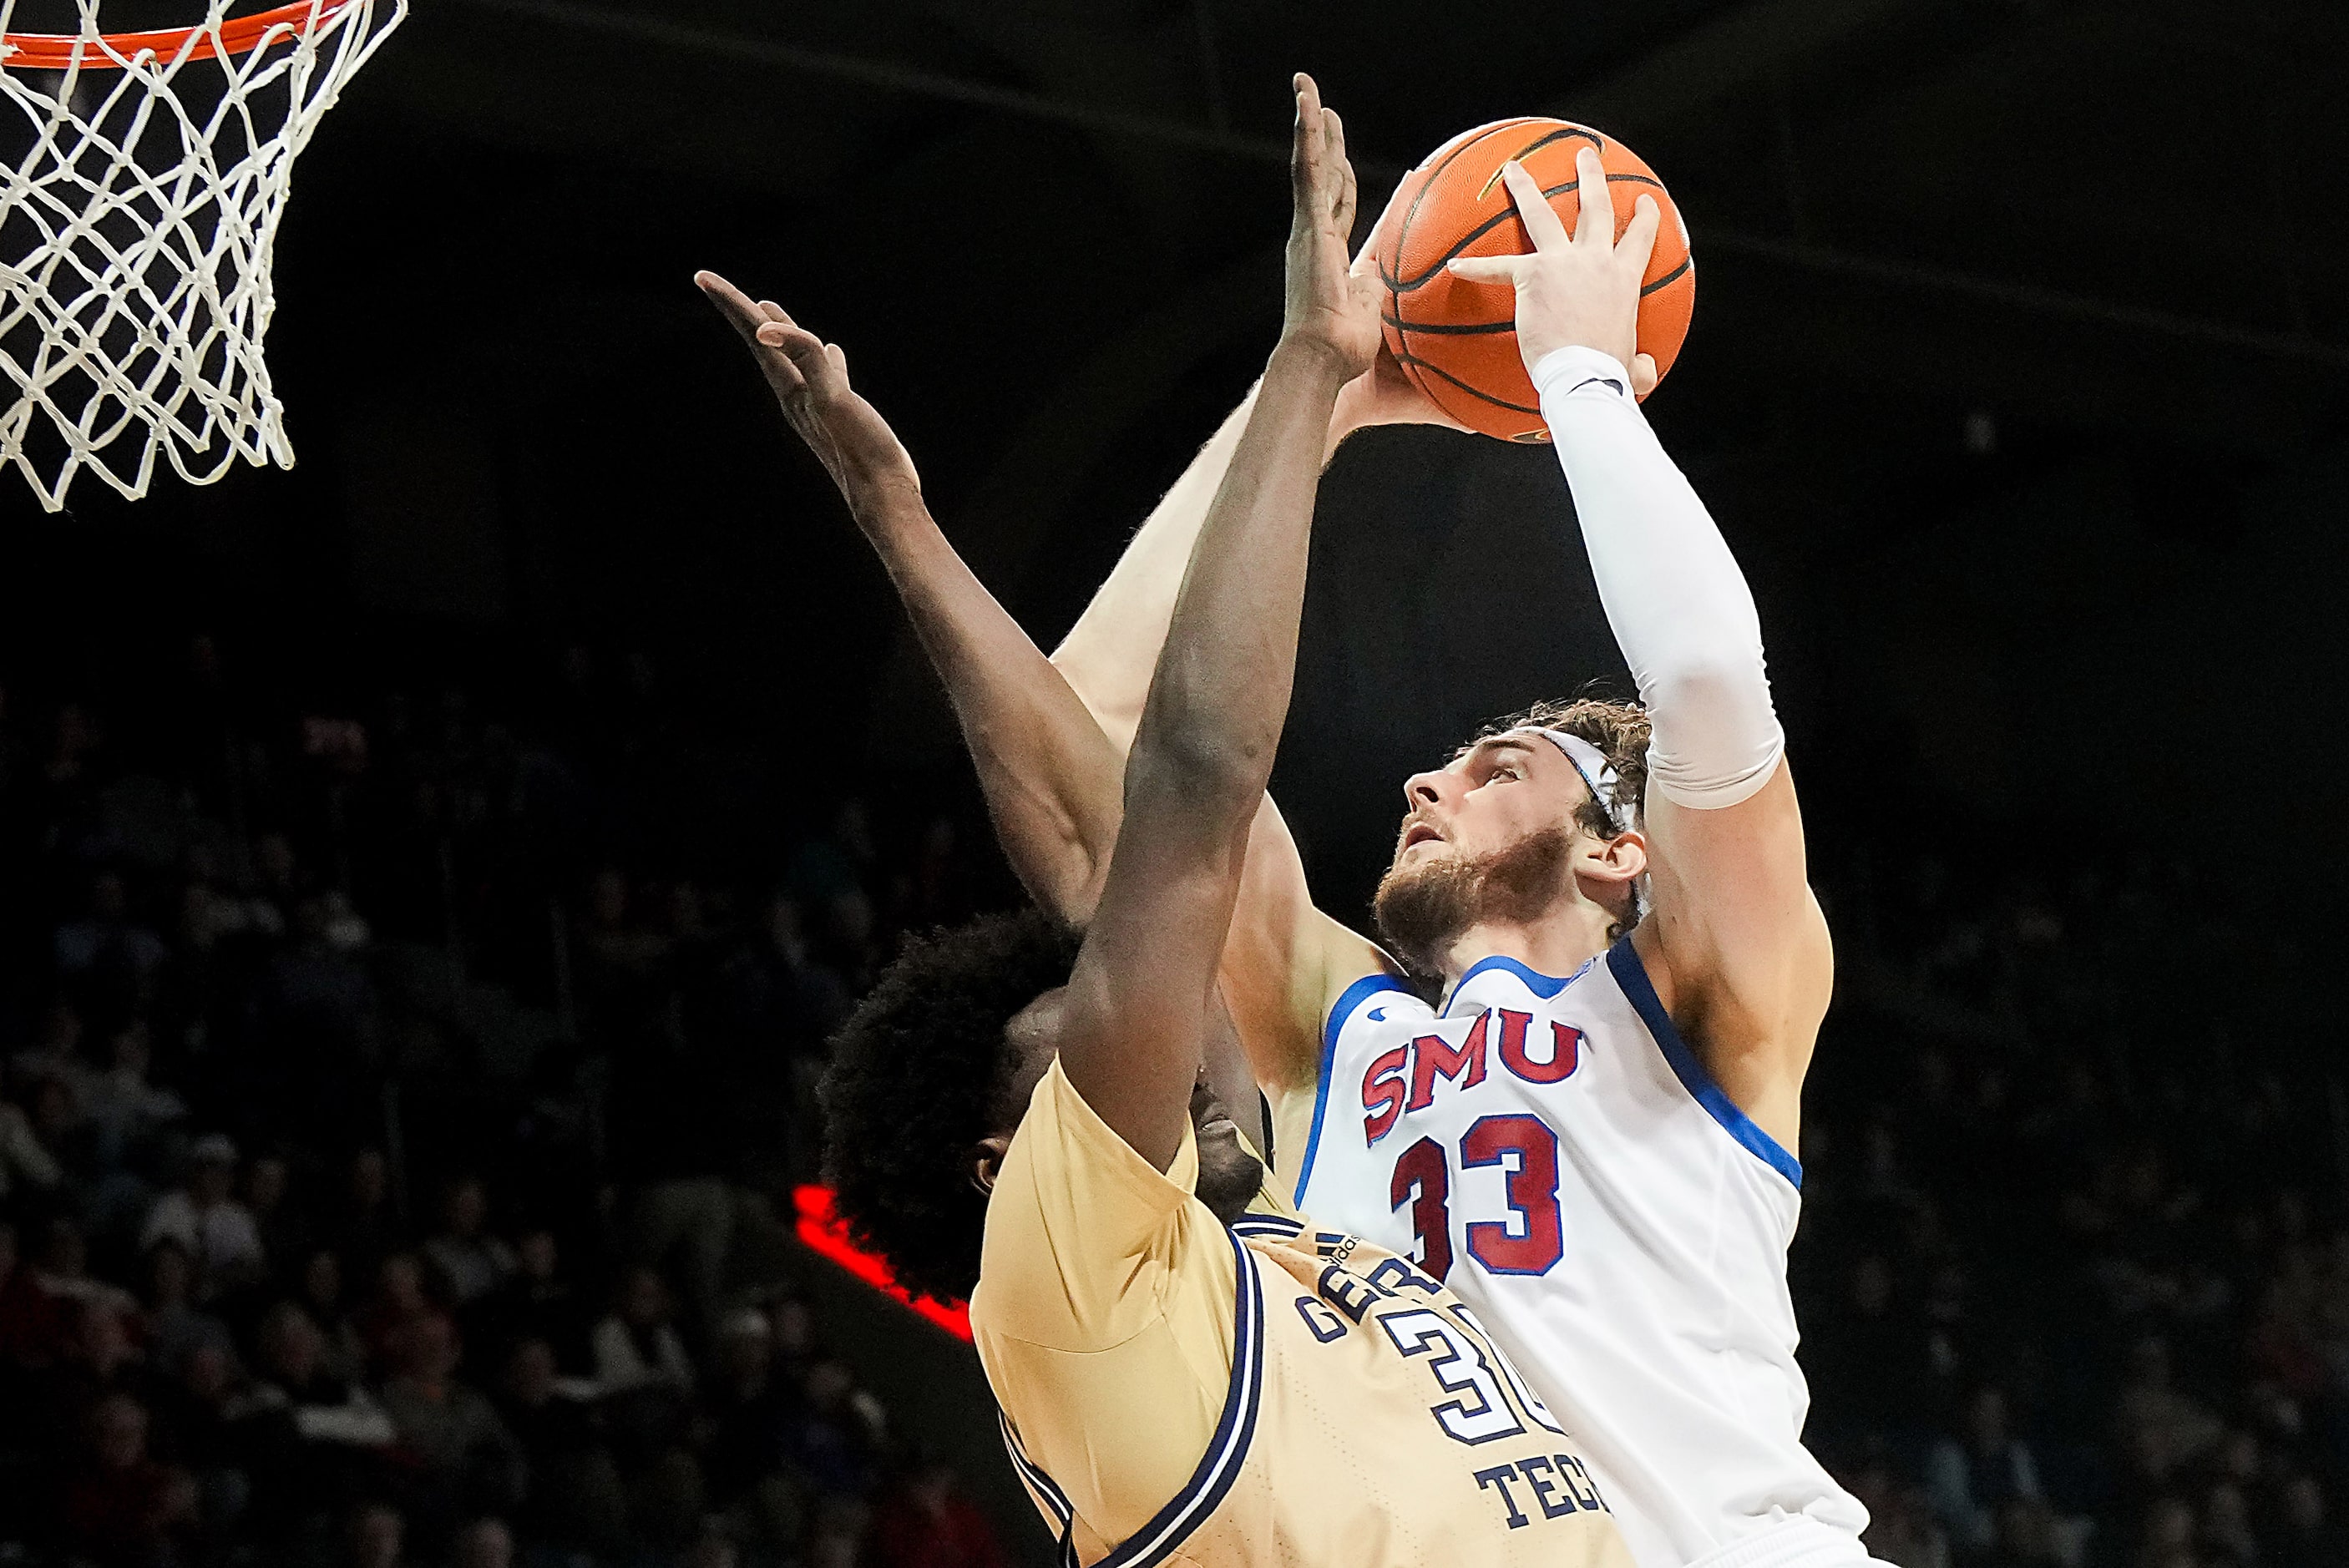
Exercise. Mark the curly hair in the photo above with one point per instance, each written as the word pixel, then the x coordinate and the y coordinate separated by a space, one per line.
pixel 1620 731
pixel 918 1076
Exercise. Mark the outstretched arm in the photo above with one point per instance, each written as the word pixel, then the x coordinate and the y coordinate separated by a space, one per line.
pixel 1128 1024
pixel 1050 778
pixel 1286 960
pixel 1109 654
pixel 1734 940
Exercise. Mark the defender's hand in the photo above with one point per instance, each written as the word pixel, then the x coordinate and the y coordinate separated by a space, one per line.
pixel 1330 306
pixel 1576 292
pixel 810 377
pixel 1383 395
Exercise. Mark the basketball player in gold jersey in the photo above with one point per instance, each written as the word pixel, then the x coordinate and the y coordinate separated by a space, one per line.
pixel 1186 1369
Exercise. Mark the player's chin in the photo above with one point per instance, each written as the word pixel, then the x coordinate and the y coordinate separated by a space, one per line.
pixel 1229 1176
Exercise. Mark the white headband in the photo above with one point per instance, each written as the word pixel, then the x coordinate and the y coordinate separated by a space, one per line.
pixel 1598 775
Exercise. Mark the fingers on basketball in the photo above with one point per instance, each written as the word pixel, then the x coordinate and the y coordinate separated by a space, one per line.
pixel 1638 245
pixel 1542 227
pixel 1594 221
pixel 1452 219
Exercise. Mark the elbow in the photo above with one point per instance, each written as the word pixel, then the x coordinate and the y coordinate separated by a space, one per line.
pixel 1716 739
pixel 1709 681
pixel 1202 763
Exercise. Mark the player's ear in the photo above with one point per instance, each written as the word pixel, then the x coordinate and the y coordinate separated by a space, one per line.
pixel 987 1161
pixel 1619 860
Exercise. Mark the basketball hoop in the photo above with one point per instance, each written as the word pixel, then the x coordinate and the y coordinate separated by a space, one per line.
pixel 138 203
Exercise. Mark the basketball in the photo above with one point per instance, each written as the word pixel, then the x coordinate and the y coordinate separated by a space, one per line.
pixel 1456 339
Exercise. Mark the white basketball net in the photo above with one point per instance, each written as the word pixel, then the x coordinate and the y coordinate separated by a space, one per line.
pixel 138 202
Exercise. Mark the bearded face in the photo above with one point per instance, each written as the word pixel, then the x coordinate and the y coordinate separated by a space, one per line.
pixel 1426 902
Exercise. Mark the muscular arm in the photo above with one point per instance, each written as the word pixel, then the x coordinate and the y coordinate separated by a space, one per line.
pixel 1050 776
pixel 1285 961
pixel 1734 939
pixel 1204 745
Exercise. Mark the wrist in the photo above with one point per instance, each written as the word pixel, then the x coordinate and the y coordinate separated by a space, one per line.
pixel 1313 360
pixel 1579 362
pixel 890 504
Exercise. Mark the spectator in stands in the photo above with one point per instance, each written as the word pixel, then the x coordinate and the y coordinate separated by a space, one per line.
pixel 365 1227
pixel 284 1227
pixel 400 1299
pixel 121 1508
pixel 2161 1428
pixel 376 1537
pixel 2306 1538
pixel 751 1407
pixel 837 1431
pixel 929 1523
pixel 172 1326
pixel 637 1345
pixel 27 1165
pixel 311 1438
pixel 122 1109
pixel 575 1482
pixel 483 1542
pixel 320 1293
pixel 472 1263
pixel 1972 1477
pixel 466 1455
pixel 535 1301
pixel 193 1404
pixel 203 1216
pixel 106 959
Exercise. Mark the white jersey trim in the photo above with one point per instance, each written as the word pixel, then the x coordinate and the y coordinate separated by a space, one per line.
pixel 1623 961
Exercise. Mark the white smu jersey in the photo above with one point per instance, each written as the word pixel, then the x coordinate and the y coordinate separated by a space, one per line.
pixel 1553 1150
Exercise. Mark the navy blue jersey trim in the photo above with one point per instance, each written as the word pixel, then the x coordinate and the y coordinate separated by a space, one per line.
pixel 1540 984
pixel 1255 1224
pixel 1044 1486
pixel 1632 975
pixel 1227 1450
pixel 1352 998
pixel 1054 1500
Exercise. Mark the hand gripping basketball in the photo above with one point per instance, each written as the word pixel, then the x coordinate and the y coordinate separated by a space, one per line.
pixel 1578 291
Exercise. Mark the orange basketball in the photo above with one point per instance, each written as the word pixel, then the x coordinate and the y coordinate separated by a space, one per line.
pixel 1458 340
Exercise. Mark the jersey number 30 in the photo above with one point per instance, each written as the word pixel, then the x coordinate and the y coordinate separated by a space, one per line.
pixel 1531 1241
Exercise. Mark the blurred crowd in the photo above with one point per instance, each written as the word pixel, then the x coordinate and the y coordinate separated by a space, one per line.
pixel 2074 1268
pixel 398 1127
pixel 396 1147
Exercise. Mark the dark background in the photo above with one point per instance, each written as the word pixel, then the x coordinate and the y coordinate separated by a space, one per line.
pixel 2098 240
pixel 2017 381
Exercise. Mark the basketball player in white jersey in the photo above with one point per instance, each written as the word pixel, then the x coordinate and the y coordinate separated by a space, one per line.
pixel 1644 1254
pixel 1189 1371
pixel 1639 1273
pixel 1592 1131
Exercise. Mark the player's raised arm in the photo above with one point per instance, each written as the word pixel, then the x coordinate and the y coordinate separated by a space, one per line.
pixel 1735 942
pixel 1050 777
pixel 1109 654
pixel 1127 1022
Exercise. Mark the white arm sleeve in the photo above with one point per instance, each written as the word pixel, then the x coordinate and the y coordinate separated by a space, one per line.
pixel 1679 606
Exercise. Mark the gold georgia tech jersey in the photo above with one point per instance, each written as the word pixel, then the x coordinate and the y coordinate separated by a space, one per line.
pixel 1270 1394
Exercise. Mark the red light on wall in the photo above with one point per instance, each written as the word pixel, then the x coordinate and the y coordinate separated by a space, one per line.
pixel 823 1233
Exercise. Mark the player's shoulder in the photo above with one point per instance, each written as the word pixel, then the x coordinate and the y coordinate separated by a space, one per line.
pixel 1372 1000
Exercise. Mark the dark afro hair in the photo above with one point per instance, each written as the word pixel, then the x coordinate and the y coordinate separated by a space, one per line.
pixel 917 1076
